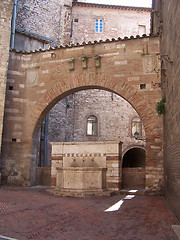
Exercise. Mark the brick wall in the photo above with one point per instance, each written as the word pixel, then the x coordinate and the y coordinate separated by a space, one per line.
pixel 41 79
pixel 170 39
pixel 133 178
pixel 117 22
pixel 5 31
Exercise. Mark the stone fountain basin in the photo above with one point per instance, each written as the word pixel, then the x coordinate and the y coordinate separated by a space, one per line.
pixel 80 179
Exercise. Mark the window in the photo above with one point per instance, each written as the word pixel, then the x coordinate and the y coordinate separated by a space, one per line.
pixel 92 126
pixel 136 126
pixel 99 25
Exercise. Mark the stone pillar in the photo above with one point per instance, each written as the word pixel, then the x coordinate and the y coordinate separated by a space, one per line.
pixel 5 30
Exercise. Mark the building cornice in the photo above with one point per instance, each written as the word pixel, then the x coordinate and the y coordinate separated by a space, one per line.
pixel 96 5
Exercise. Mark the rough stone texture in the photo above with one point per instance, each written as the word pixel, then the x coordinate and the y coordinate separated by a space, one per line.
pixel 117 22
pixel 68 118
pixel 50 18
pixel 170 39
pixel 5 31
pixel 42 79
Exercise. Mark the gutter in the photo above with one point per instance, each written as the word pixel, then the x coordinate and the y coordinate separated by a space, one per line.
pixel 13 24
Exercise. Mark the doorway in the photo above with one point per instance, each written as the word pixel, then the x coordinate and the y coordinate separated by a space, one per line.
pixel 133 169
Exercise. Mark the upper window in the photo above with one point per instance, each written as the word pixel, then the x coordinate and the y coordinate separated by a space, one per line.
pixel 136 126
pixel 99 25
pixel 92 125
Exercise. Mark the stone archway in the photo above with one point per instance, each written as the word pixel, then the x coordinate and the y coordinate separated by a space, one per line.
pixel 47 77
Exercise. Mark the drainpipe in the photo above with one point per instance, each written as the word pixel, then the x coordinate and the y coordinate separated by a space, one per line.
pixel 13 24
pixel 46 141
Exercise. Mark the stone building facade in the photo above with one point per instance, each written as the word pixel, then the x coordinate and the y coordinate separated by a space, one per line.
pixel 166 22
pixel 5 32
pixel 68 21
pixel 115 21
pixel 70 124
pixel 74 22
pixel 68 118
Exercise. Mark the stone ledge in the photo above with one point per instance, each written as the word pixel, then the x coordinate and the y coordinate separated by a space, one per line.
pixel 176 229
pixel 82 194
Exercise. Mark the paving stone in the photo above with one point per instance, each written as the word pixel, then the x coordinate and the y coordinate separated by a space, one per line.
pixel 33 213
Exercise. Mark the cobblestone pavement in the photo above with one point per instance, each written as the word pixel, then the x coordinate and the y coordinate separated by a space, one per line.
pixel 32 213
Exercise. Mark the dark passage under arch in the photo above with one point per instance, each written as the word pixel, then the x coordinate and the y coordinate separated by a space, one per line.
pixel 133 169
pixel 134 158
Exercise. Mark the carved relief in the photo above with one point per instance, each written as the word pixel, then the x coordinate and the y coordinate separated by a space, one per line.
pixel 149 64
pixel 32 76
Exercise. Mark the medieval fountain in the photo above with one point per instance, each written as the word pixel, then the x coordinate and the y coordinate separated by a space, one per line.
pixel 86 168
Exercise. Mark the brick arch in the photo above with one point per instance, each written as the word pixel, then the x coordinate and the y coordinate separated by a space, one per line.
pixel 131 147
pixel 134 97
pixel 108 83
pixel 45 77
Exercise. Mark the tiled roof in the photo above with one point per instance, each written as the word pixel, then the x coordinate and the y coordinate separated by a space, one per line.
pixel 34 35
pixel 90 43
pixel 83 4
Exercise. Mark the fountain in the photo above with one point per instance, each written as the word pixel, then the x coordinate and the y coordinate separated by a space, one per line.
pixel 88 168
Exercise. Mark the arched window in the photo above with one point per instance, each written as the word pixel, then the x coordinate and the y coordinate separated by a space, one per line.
pixel 136 126
pixel 92 125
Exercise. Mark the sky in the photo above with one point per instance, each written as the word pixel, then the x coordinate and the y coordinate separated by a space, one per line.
pixel 135 3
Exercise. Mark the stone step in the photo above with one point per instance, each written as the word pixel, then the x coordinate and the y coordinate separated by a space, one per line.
pixel 82 194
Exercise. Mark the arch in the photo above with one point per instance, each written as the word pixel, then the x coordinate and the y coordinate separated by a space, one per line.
pixel 123 69
pixel 134 157
pixel 51 97
pixel 131 147
pixel 133 168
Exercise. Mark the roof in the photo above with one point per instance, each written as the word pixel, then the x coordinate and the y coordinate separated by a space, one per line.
pixel 34 35
pixel 89 43
pixel 97 5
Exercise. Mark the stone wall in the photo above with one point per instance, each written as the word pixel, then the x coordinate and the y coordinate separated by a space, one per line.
pixel 68 118
pixel 5 31
pixel 50 18
pixel 170 60
pixel 117 22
